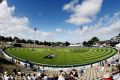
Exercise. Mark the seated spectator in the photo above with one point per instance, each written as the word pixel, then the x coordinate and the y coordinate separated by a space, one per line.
pixel 107 76
pixel 15 71
pixel 61 77
pixel 70 77
pixel 81 71
pixel 23 77
pixel 1 76
pixel 39 74
pixel 10 77
pixel 116 76
pixel 45 78
pixel 50 77
pixel 56 77
pixel 76 75
pixel 33 77
pixel 6 77
pixel 19 72
pixel 29 77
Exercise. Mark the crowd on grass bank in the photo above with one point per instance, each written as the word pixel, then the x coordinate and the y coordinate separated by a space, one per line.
pixel 44 75
pixel 108 73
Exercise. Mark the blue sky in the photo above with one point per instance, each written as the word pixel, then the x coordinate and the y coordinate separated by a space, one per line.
pixel 60 20
pixel 48 14
pixel 42 13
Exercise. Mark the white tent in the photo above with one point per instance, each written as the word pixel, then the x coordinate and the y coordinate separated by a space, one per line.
pixel 118 46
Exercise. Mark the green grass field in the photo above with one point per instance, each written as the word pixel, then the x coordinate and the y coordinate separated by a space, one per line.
pixel 63 56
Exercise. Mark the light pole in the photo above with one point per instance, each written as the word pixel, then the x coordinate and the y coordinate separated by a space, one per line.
pixel 34 34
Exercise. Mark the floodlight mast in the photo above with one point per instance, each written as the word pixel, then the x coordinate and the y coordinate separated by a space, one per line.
pixel 34 34
pixel 81 28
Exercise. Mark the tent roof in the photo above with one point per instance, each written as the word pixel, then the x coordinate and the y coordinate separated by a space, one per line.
pixel 118 45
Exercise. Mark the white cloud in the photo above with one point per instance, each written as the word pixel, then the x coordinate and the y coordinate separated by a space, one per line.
pixel 71 6
pixel 106 28
pixel 114 27
pixel 58 30
pixel 83 13
pixel 11 25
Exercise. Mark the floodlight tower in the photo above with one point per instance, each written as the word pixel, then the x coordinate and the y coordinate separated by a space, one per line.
pixel 34 34
pixel 81 28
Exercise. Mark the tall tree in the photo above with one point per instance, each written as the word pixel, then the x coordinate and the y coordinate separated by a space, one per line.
pixel 37 42
pixel 119 34
pixel 67 43
pixel 95 39
pixel 1 1
pixel 85 43
pixel 10 39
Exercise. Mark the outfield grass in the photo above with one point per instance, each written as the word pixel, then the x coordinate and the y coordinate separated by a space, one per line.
pixel 63 56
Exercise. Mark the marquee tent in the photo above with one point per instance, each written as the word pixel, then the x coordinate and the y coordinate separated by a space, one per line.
pixel 118 45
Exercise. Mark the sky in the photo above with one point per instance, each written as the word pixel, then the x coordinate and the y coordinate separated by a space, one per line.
pixel 60 20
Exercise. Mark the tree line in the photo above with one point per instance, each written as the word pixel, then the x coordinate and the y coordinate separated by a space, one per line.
pixel 88 43
pixel 18 40
pixel 91 42
pixel 112 42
